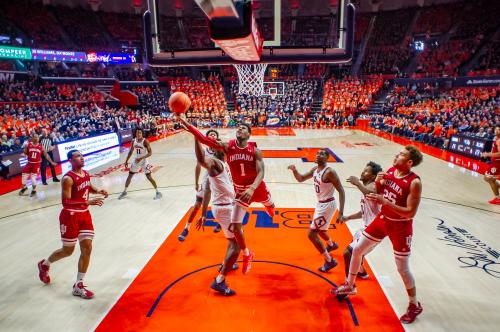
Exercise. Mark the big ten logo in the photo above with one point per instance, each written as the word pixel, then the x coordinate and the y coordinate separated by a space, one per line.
pixel 290 218
pixel 259 218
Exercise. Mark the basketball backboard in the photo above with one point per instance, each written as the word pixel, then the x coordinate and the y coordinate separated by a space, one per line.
pixel 324 36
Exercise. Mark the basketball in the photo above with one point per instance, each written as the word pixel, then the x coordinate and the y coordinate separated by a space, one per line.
pixel 179 102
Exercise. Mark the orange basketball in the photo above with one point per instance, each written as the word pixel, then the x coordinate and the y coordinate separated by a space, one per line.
pixel 179 102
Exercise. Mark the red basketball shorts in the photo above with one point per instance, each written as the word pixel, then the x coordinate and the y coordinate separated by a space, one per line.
pixel 260 195
pixel 399 232
pixel 31 168
pixel 75 225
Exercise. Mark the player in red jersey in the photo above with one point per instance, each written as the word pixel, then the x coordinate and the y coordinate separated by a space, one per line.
pixel 33 151
pixel 247 170
pixel 493 174
pixel 398 191
pixel 75 222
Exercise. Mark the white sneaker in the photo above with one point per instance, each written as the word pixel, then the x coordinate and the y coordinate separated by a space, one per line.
pixel 345 290
pixel 80 290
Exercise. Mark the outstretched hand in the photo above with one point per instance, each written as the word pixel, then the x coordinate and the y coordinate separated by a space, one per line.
pixel 200 224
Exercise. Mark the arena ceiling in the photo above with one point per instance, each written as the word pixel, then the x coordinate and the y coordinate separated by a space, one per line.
pixel 307 7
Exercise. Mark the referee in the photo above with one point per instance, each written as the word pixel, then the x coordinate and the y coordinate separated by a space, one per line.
pixel 48 145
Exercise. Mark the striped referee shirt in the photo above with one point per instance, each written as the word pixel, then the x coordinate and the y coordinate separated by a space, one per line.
pixel 46 143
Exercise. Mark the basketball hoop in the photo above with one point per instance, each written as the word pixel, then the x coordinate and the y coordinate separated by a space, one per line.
pixel 251 78
pixel 273 92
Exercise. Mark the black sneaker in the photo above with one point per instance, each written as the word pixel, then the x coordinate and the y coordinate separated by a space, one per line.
pixel 33 193
pixel 217 228
pixel 45 183
pixel 56 180
pixel 222 288
pixel 328 266
pixel 332 247
pixel 183 235
pixel 363 275
pixel 22 191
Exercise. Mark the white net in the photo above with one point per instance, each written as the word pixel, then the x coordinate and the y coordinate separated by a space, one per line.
pixel 251 78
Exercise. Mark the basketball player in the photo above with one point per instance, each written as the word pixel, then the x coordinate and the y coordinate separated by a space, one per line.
pixel 33 151
pixel 326 181
pixel 75 222
pixel 369 210
pixel 222 205
pixel 493 174
pixel 200 190
pixel 399 191
pixel 247 170
pixel 143 151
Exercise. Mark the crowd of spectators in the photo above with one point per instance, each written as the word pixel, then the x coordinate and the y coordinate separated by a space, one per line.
pixel 427 114
pixel 33 90
pixel 207 97
pixel 151 99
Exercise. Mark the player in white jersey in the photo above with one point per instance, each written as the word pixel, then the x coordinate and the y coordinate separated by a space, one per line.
pixel 223 196
pixel 142 149
pixel 326 181
pixel 201 190
pixel 369 210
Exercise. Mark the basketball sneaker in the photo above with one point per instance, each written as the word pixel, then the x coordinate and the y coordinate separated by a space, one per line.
pixel 217 228
pixel 270 211
pixel 333 247
pixel 345 290
pixel 183 235
pixel 33 193
pixel 158 195
pixel 235 267
pixel 411 313
pixel 122 195
pixel 80 290
pixel 363 275
pixel 247 262
pixel 328 265
pixel 22 191
pixel 43 272
pixel 495 201
pixel 222 288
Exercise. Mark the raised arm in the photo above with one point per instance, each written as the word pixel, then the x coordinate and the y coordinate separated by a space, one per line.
pixel 202 138
pixel 412 202
pixel 369 188
pixel 301 177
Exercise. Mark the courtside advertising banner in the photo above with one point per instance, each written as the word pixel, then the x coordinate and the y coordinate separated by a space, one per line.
pixel 9 52
pixel 95 160
pixel 54 55
pixel 86 145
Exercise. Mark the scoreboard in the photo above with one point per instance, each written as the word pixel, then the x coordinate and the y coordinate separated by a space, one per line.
pixel 471 147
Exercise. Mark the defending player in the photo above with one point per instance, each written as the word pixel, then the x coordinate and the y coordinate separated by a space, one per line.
pixel 200 191
pixel 247 170
pixel 326 181
pixel 143 151
pixel 222 205
pixel 33 151
pixel 399 192
pixel 75 222
pixel 369 210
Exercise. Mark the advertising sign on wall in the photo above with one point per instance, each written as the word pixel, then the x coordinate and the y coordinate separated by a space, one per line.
pixel 86 145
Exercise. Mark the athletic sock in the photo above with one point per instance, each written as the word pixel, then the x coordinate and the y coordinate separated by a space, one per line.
pixel 46 262
pixel 328 258
pixel 79 277
pixel 220 278
pixel 413 299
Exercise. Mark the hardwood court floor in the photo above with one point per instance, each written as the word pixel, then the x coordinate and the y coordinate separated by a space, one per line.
pixel 455 252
